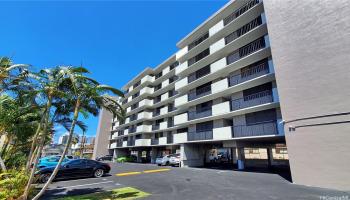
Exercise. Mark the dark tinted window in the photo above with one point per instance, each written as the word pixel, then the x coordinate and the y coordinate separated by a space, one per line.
pixel 205 126
pixel 260 117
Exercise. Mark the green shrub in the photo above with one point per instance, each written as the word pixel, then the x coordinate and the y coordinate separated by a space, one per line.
pixel 12 184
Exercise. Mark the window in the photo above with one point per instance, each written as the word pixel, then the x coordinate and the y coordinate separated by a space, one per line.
pixel 182 130
pixel 260 117
pixel 203 71
pixel 244 29
pixel 204 106
pixel 172 79
pixel 159 74
pixel 257 89
pixel 175 64
pixel 240 11
pixel 198 57
pixel 198 41
pixel 203 88
pixel 205 126
pixel 137 84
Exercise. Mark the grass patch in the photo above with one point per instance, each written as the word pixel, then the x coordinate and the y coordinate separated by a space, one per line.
pixel 126 193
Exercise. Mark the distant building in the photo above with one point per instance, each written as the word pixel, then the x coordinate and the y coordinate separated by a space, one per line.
pixel 63 139
pixel 54 149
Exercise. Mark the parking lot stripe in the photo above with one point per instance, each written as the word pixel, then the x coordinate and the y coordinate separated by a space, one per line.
pixel 156 170
pixel 128 173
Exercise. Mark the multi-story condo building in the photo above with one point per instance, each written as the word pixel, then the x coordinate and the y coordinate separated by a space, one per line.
pixel 217 98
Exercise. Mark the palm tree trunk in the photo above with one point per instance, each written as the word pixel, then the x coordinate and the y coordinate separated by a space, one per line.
pixel 71 131
pixel 40 148
pixel 34 142
pixel 2 165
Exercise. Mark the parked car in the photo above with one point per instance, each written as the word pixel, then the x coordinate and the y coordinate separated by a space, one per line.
pixel 163 160
pixel 126 159
pixel 77 168
pixel 50 161
pixel 175 160
pixel 106 157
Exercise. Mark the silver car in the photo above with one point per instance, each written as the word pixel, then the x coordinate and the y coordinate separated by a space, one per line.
pixel 160 161
pixel 174 160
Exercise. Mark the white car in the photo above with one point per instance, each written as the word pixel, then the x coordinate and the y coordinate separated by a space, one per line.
pixel 163 160
pixel 174 160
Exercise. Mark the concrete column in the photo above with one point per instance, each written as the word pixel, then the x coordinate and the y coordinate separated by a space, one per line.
pixel 241 158
pixel 269 157
pixel 139 155
pixel 154 155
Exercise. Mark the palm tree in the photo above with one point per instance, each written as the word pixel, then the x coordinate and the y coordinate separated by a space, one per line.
pixel 7 77
pixel 89 97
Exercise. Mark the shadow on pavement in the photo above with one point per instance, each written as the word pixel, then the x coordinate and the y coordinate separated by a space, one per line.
pixel 62 192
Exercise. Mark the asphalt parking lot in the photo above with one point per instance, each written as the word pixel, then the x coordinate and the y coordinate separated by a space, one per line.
pixel 192 184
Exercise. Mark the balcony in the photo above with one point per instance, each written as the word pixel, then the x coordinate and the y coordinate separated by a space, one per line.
pixel 251 73
pixel 221 108
pixel 126 132
pixel 144 115
pixel 163 141
pixel 133 118
pixel 147 78
pixel 179 119
pixel 157 100
pixel 155 141
pixel 180 138
pixel 170 123
pixel 119 144
pixel 125 143
pixel 131 143
pixel 113 145
pixel 163 110
pixel 203 135
pixel 200 113
pixel 143 142
pixel 145 102
pixel 143 128
pixel 163 125
pixel 181 100
pixel 199 93
pixel 169 139
pixel 252 100
pixel 181 83
pixel 155 127
pixel 222 133
pixel 259 129
pixel 132 129
pixel 156 113
pixel 146 90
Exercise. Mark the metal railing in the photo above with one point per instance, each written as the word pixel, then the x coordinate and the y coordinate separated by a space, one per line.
pixel 256 71
pixel 132 130
pixel 155 141
pixel 252 100
pixel 199 114
pixel 131 142
pixel 169 139
pixel 156 113
pixel 155 127
pixel 199 93
pixel 259 129
pixel 203 135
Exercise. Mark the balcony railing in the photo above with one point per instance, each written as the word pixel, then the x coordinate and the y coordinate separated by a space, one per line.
pixel 252 100
pixel 199 114
pixel 249 74
pixel 119 143
pixel 133 118
pixel 156 100
pixel 132 130
pixel 131 142
pixel 240 11
pixel 169 139
pixel 155 127
pixel 259 129
pixel 155 141
pixel 203 135
pixel 199 93
pixel 120 133
pixel 156 113
pixel 170 123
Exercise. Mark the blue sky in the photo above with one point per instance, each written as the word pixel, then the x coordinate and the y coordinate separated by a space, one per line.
pixel 115 40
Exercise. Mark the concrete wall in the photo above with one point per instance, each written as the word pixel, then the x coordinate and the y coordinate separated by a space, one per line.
pixel 103 134
pixel 310 42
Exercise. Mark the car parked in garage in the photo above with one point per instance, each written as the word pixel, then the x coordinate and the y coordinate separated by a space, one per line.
pixel 77 168
pixel 105 158
pixel 122 159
